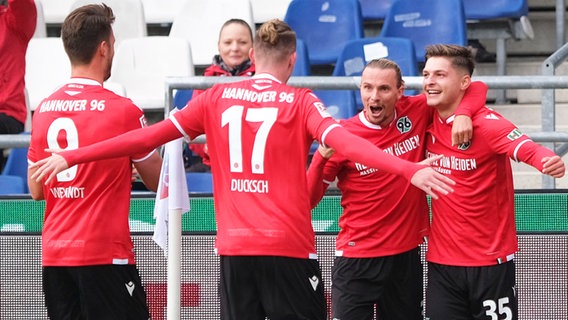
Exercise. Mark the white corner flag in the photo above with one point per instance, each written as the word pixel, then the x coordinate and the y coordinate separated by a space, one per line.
pixel 172 196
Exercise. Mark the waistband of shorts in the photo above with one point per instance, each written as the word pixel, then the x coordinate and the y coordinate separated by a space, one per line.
pixel 506 258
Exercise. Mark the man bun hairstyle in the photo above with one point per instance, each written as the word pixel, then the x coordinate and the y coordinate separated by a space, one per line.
pixel 275 39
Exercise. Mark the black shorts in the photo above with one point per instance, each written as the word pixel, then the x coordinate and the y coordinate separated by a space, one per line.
pixel 256 287
pixel 393 283
pixel 105 292
pixel 472 293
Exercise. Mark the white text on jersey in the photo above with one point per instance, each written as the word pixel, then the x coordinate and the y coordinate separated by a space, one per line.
pixel 63 105
pixel 68 192
pixel 249 185
pixel 248 95
pixel 446 164
pixel 71 105
pixel 404 146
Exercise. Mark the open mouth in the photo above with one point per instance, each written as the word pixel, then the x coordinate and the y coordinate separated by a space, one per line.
pixel 376 110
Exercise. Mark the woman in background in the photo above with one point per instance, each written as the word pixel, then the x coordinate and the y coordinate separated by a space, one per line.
pixel 235 42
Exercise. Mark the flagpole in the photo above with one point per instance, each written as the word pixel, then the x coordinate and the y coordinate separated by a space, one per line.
pixel 172 200
pixel 174 264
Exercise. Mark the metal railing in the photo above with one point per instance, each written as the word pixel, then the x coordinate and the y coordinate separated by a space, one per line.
pixel 546 81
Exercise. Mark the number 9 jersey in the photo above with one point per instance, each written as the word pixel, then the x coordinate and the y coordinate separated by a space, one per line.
pixel 87 207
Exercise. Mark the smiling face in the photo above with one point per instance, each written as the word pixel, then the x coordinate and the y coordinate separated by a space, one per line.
pixel 444 84
pixel 380 91
pixel 235 42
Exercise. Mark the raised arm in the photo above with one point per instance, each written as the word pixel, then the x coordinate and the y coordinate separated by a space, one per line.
pixel 360 150
pixel 133 142
pixel 474 99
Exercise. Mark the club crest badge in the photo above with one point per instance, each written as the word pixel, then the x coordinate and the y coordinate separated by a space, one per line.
pixel 404 125
pixel 464 146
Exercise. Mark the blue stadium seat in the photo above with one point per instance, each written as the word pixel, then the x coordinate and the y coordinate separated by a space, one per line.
pixel 182 97
pixel 427 22
pixel 357 53
pixel 499 20
pixel 375 9
pixel 199 182
pixel 495 9
pixel 325 25
pixel 339 103
pixel 17 165
pixel 12 185
pixel 302 66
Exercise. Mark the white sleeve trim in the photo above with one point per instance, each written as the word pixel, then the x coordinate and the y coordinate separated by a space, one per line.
pixel 178 126
pixel 517 150
pixel 326 131
pixel 144 158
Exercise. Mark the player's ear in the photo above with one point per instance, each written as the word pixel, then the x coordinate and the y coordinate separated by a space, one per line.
pixel 251 55
pixel 465 82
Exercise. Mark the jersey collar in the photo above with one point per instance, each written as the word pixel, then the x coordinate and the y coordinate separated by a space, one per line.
pixel 84 81
pixel 266 76
pixel 448 121
pixel 366 122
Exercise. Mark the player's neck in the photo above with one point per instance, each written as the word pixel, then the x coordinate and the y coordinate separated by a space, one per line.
pixel 85 71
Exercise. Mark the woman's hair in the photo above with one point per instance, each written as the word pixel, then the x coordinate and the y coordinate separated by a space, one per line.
pixel 275 39
pixel 84 29
pixel 385 64
pixel 236 21
pixel 460 56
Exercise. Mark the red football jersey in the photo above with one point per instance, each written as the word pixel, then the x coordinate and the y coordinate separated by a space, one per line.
pixel 17 26
pixel 87 208
pixel 475 225
pixel 383 214
pixel 261 199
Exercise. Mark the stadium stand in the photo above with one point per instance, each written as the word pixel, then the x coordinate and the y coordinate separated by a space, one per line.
pixel 500 20
pixel 130 21
pixel 199 22
pixel 263 10
pixel 375 9
pixel 55 11
pixel 161 12
pixel 181 97
pixel 142 64
pixel 357 53
pixel 41 27
pixel 17 165
pixel 426 22
pixel 47 67
pixel 325 26
pixel 11 185
pixel 340 104
pixel 199 182
pixel 115 87
pixel 302 66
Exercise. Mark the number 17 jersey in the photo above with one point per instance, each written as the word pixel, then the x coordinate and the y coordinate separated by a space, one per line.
pixel 259 132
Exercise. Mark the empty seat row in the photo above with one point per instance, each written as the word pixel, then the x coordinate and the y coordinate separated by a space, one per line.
pixel 139 68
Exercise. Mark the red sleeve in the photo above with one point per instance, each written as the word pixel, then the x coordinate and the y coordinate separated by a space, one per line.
pixel 474 99
pixel 132 142
pixel 316 183
pixel 360 150
pixel 532 153
pixel 23 17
